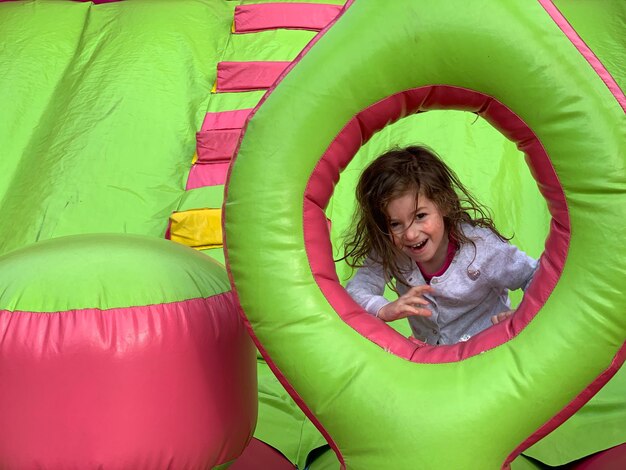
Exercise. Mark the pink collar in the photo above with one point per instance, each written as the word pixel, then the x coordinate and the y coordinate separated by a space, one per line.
pixel 453 246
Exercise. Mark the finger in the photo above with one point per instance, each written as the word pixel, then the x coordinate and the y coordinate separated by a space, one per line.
pixel 500 317
pixel 417 312
pixel 420 290
pixel 414 300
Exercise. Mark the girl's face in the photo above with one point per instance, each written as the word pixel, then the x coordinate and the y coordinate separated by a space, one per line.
pixel 416 227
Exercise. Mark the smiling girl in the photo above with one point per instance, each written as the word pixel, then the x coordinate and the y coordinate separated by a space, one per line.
pixel 420 231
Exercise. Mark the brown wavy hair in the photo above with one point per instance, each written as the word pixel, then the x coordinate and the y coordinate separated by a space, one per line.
pixel 415 169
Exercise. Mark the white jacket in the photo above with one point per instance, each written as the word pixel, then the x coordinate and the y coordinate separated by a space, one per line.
pixel 474 287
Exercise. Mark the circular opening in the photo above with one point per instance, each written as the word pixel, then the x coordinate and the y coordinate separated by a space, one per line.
pixel 375 118
pixel 490 166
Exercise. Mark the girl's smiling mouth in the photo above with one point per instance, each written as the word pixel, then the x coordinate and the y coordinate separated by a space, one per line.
pixel 418 246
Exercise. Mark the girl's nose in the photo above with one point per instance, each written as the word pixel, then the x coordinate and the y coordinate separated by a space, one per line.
pixel 412 232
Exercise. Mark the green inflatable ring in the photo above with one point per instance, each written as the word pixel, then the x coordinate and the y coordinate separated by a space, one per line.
pixel 379 400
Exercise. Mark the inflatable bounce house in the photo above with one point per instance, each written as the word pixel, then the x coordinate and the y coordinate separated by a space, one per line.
pixel 176 181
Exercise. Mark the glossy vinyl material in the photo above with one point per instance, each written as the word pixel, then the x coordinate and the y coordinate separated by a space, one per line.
pixel 91 383
pixel 524 378
pixel 118 349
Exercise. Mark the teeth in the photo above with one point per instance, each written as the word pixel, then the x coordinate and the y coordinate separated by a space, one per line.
pixel 418 245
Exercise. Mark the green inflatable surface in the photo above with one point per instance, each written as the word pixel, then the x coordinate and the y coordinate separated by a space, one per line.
pixel 101 105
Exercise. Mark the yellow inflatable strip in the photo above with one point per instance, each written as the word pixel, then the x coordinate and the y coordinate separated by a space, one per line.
pixel 198 228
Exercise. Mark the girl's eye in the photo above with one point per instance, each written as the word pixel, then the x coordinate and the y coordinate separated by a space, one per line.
pixel 396 227
pixel 420 216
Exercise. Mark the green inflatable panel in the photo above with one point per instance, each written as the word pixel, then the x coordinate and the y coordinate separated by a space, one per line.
pixel 102 103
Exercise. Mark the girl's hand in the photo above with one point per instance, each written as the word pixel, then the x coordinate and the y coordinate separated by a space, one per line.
pixel 500 317
pixel 410 304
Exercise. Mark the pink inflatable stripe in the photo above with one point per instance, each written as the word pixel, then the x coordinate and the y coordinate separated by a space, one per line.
pixel 215 149
pixel 160 386
pixel 587 53
pixel 225 119
pixel 264 16
pixel 613 458
pixel 216 146
pixel 207 175
pixel 83 1
pixel 247 76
